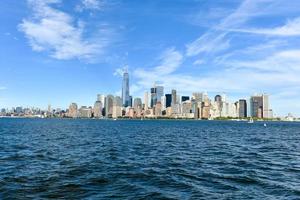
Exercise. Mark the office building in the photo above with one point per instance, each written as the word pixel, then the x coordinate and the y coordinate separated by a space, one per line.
pixel 109 106
pixel 185 98
pixel 146 100
pixel 242 108
pixel 168 100
pixel 97 110
pixel 174 97
pixel 125 90
pixel 73 110
pixel 117 107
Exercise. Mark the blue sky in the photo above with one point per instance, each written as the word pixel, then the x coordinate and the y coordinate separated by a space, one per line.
pixel 59 51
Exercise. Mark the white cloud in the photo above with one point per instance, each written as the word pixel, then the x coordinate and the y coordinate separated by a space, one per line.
pixel 199 62
pixel 207 43
pixel 291 28
pixel 2 88
pixel 169 60
pixel 54 31
pixel 90 5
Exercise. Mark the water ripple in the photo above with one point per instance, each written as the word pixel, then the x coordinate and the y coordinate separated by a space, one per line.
pixel 99 159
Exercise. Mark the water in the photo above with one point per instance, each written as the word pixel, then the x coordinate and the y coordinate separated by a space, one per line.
pixel 98 159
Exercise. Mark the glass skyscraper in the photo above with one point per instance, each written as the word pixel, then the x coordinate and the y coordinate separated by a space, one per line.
pixel 125 90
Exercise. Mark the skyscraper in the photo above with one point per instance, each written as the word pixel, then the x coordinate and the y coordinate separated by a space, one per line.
pixel 218 98
pixel 117 107
pixel 130 101
pixel 242 108
pixel 266 108
pixel 97 110
pixel 73 110
pixel 174 97
pixel 109 105
pixel 168 100
pixel 153 97
pixel 125 89
pixel 185 98
pixel 101 98
pixel 137 103
pixel 146 100
pixel 156 93
pixel 259 106
pixel 159 92
pixel 163 103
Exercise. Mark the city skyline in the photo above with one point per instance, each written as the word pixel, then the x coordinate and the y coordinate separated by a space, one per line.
pixel 162 105
pixel 56 52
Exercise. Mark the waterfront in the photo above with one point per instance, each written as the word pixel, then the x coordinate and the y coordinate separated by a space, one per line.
pixel 128 159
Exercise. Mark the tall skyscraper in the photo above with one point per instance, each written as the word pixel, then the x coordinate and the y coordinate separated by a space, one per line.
pixel 146 100
pixel 242 108
pixel 101 98
pixel 156 93
pixel 163 103
pixel 259 106
pixel 117 107
pixel 130 101
pixel 125 89
pixel 266 109
pixel 153 97
pixel 159 92
pixel 109 105
pixel 174 97
pixel 168 100
pixel 97 110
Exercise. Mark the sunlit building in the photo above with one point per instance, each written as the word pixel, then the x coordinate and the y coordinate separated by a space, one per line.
pixel 73 110
pixel 109 106
pixel 97 110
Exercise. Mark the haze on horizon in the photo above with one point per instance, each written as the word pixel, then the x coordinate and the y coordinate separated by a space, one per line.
pixel 58 51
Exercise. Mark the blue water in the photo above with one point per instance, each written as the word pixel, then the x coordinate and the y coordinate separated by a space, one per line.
pixel 99 159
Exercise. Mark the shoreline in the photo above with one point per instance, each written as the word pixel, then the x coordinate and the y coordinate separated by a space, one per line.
pixel 149 119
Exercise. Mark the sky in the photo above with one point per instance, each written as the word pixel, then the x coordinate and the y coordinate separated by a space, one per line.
pixel 59 51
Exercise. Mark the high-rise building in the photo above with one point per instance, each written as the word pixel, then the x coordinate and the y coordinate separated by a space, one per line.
pixel 109 106
pixel 178 99
pixel 242 108
pixel 73 110
pixel 156 93
pixel 185 98
pixel 117 107
pixel 146 100
pixel 266 109
pixel 101 98
pixel 130 101
pixel 218 98
pixel 259 106
pixel 174 97
pixel 97 110
pixel 137 103
pixel 157 110
pixel 85 112
pixel 198 96
pixel 163 103
pixel 153 97
pixel 159 92
pixel 19 110
pixel 168 100
pixel 125 89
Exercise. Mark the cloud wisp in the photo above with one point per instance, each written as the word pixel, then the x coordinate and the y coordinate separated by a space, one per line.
pixel 58 33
